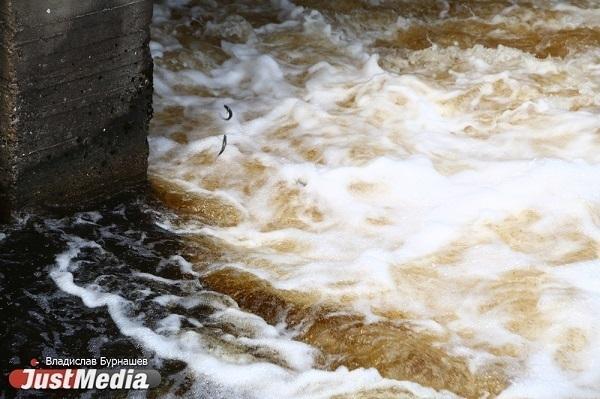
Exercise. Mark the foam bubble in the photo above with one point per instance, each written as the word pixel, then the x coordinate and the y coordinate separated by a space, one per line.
pixel 240 375
pixel 392 166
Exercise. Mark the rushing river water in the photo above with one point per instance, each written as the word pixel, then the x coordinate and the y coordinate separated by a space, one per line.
pixel 408 205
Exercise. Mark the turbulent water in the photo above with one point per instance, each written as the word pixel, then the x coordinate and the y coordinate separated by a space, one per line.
pixel 408 204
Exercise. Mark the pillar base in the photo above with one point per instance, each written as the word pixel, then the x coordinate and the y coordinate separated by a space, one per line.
pixel 75 100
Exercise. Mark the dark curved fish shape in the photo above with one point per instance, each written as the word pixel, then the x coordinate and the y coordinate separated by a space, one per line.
pixel 229 113
pixel 223 145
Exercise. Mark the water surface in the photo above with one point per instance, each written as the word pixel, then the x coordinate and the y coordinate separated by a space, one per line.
pixel 407 205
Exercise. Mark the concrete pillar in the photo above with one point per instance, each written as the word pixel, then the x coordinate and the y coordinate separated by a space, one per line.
pixel 75 100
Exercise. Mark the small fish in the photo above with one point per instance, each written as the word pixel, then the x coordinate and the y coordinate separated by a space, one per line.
pixel 229 116
pixel 229 113
pixel 223 145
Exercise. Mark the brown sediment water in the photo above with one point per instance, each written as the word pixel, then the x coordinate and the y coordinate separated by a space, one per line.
pixel 393 347
pixel 407 195
pixel 550 43
pixel 207 208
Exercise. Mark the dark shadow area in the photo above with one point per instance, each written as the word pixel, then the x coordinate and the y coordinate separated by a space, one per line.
pixel 38 320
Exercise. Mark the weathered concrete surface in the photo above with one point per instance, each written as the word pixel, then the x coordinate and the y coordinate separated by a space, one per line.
pixel 75 100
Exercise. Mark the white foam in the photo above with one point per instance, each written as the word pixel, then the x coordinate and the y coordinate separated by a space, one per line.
pixel 429 182
pixel 239 374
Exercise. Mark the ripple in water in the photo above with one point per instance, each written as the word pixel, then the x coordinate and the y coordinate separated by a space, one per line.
pixel 406 206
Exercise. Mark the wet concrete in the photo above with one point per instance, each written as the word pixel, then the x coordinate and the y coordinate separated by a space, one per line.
pixel 75 100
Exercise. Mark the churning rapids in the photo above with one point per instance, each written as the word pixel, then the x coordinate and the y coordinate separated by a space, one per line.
pixel 408 205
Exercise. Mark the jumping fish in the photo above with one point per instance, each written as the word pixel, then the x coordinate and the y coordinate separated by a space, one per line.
pixel 223 145
pixel 229 116
pixel 229 112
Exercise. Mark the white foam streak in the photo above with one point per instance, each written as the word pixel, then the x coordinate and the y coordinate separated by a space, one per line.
pixel 458 186
pixel 257 379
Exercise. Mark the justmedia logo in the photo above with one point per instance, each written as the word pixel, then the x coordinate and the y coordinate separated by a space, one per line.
pixel 80 378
